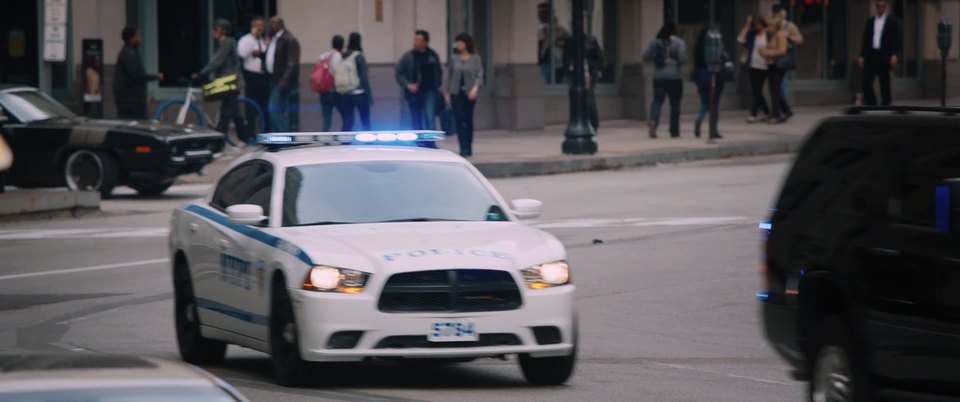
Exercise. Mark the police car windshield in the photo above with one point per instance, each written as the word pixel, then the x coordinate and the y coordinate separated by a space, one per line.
pixel 29 106
pixel 369 192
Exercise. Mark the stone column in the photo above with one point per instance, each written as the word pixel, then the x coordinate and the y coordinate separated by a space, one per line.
pixel 518 90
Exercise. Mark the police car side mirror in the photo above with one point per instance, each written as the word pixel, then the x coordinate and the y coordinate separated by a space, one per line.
pixel 526 208
pixel 245 214
pixel 947 206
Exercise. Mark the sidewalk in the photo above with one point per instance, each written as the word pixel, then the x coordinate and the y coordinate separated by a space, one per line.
pixel 621 144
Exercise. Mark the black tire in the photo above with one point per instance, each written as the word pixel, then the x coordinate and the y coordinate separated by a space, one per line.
pixel 838 372
pixel 90 170
pixel 549 370
pixel 154 188
pixel 289 368
pixel 194 348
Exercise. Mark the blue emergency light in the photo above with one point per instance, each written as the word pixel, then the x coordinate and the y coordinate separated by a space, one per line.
pixel 408 138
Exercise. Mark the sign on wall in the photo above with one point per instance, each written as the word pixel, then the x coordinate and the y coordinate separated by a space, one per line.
pixel 55 31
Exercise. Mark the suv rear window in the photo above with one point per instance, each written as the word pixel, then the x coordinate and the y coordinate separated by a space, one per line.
pixel 934 156
pixel 840 169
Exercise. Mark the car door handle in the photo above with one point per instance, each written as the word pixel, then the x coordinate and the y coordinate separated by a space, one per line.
pixel 224 244
pixel 885 252
pixel 194 228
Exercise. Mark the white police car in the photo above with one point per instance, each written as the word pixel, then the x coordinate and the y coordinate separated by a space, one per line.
pixel 346 253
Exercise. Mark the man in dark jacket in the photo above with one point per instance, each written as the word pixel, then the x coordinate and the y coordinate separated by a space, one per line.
pixel 130 80
pixel 420 75
pixel 878 53
pixel 225 62
pixel 283 63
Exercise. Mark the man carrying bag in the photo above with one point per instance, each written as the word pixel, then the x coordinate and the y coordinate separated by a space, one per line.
pixel 225 86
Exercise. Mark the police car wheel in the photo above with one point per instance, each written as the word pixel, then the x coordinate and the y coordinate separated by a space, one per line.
pixel 153 188
pixel 837 376
pixel 288 366
pixel 194 348
pixel 88 170
pixel 548 370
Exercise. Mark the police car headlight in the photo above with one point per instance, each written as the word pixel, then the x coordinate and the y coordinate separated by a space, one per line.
pixel 329 279
pixel 547 275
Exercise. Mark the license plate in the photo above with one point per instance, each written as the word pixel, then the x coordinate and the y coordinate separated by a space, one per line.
pixel 453 331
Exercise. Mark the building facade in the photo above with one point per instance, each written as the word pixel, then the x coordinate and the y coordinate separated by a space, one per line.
pixel 525 86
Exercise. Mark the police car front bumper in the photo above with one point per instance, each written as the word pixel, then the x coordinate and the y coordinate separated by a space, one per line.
pixel 324 318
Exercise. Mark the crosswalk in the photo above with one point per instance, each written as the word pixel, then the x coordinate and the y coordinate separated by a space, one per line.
pixel 547 224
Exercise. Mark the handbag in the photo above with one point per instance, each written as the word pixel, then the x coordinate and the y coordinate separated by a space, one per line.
pixel 222 87
pixel 788 61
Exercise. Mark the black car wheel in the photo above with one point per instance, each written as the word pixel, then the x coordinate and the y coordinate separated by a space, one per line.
pixel 289 368
pixel 88 170
pixel 550 370
pixel 154 188
pixel 837 375
pixel 194 348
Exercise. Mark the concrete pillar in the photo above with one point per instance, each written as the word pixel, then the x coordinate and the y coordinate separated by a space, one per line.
pixel 518 88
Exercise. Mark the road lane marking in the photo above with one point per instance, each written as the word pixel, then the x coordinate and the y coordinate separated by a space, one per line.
pixel 45 234
pixel 639 222
pixel 86 269
pixel 737 376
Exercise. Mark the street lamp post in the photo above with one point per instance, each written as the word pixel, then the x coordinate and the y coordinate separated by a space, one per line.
pixel 578 139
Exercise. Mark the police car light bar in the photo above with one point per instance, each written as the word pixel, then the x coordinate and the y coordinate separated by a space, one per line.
pixel 408 137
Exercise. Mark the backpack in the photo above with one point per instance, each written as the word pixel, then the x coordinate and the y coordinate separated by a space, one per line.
pixel 321 78
pixel 661 53
pixel 346 76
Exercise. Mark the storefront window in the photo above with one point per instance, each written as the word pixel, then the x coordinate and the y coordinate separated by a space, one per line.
pixel 553 35
pixel 18 43
pixel 182 36
pixel 824 53
pixel 906 13
pixel 692 16
pixel 240 12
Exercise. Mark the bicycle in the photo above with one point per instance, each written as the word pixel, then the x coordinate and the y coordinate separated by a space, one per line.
pixel 187 112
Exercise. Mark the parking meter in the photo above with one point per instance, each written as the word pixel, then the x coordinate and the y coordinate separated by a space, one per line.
pixel 713 50
pixel 944 36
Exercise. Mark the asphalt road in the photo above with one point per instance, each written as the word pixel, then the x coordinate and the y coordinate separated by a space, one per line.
pixel 664 258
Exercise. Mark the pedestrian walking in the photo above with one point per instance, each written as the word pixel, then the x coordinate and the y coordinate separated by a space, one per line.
pixel 225 62
pixel 130 79
pixel 593 68
pixel 421 77
pixel 353 85
pixel 283 64
pixel 252 49
pixel 753 36
pixel 878 54
pixel 705 75
pixel 464 79
pixel 777 56
pixel 668 53
pixel 550 55
pixel 794 40
pixel 326 83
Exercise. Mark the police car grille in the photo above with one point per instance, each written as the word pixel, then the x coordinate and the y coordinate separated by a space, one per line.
pixel 454 290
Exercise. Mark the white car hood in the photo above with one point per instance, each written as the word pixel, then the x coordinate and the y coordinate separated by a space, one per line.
pixel 416 246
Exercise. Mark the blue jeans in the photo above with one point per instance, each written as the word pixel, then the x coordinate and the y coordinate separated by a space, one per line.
pixel 423 110
pixel 284 110
pixel 703 86
pixel 328 102
pixel 663 89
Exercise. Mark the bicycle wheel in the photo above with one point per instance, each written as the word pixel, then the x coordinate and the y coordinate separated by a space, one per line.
pixel 256 120
pixel 167 113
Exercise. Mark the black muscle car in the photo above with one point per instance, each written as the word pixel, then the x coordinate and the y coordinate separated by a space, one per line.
pixel 53 147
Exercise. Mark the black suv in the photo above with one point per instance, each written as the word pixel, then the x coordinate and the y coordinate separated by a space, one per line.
pixel 861 257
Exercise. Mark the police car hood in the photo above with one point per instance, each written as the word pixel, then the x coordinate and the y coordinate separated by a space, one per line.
pixel 415 246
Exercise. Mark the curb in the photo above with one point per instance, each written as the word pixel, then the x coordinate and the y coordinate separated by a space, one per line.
pixel 649 158
pixel 46 204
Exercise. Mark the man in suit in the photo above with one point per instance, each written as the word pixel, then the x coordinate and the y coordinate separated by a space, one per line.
pixel 878 53
pixel 130 80
pixel 283 64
